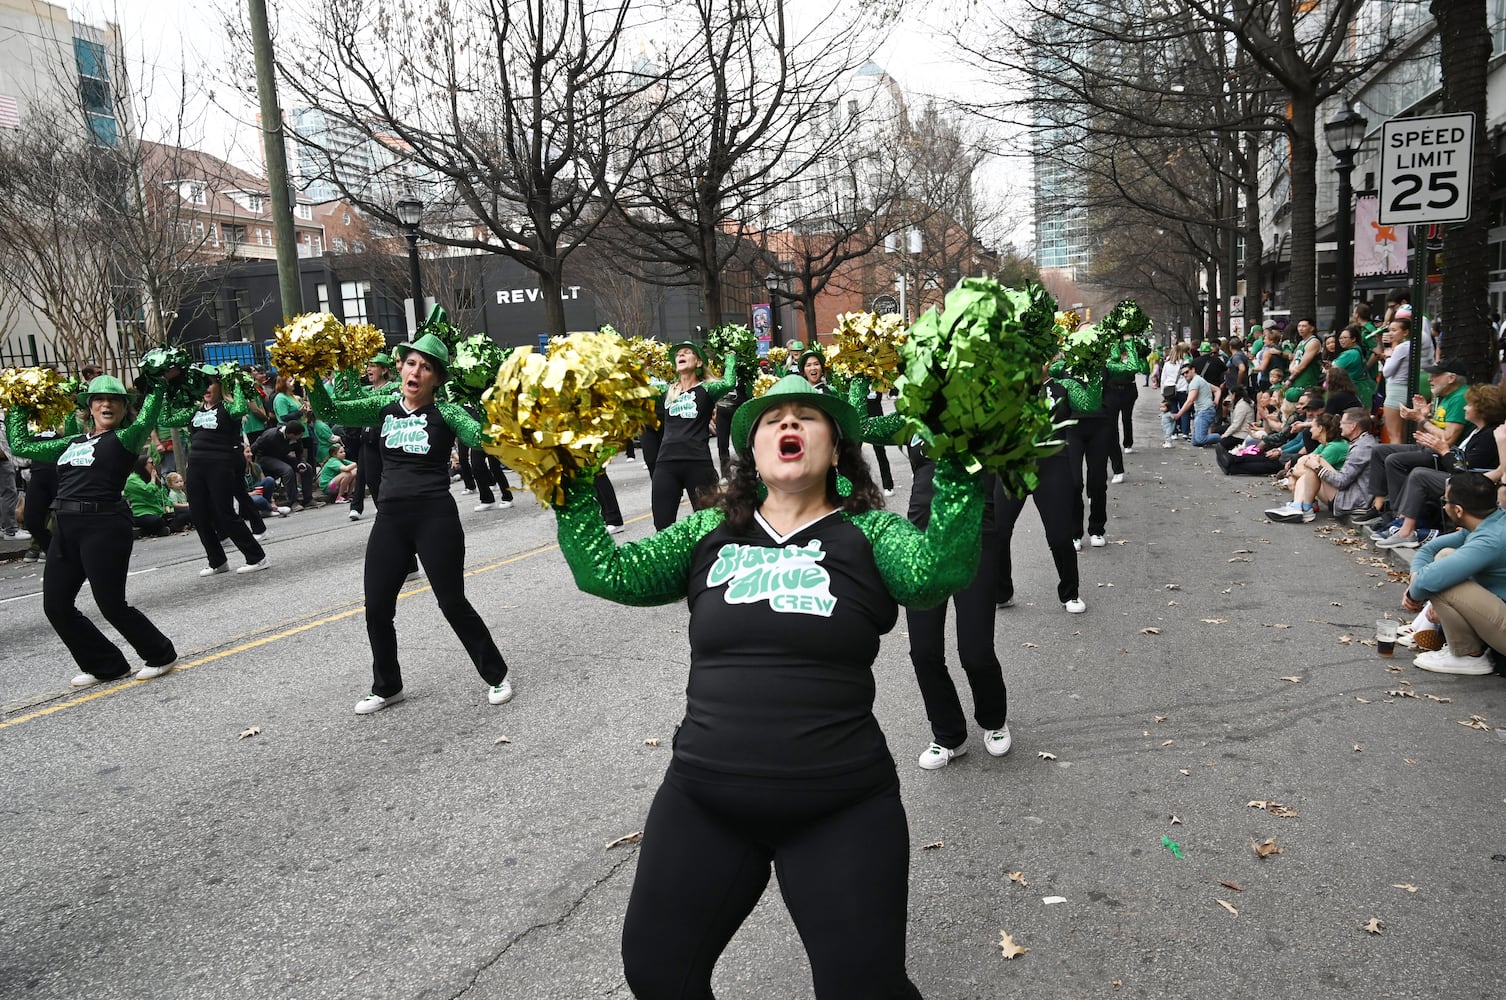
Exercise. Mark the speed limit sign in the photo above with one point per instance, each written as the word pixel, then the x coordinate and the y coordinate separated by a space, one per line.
pixel 1426 169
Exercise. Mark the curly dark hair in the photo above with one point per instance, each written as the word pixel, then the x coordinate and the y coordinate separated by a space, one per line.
pixel 1338 380
pixel 738 496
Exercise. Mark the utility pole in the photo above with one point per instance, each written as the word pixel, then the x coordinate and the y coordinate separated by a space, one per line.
pixel 277 162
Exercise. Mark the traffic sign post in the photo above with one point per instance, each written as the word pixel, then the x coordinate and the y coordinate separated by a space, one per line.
pixel 1426 169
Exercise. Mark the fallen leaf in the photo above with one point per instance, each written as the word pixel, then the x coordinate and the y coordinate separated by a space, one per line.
pixel 1334 604
pixel 1115 983
pixel 1172 604
pixel 1238 559
pixel 1265 848
pixel 1150 630
pixel 1408 886
pixel 1175 819
pixel 1184 772
pixel 1020 878
pixel 1122 541
pixel 1441 701
pixel 1228 906
pixel 1160 719
pixel 500 740
pixel 934 846
pixel 1045 755
pixel 1284 812
pixel 1367 642
pixel 652 741
pixel 1167 743
pixel 1173 586
pixel 1259 804
pixel 1215 621
pixel 1399 693
pixel 1475 722
pixel 1029 645
pixel 1293 678
pixel 1232 885
pixel 1362 701
pixel 627 838
pixel 245 733
pixel 1008 947
pixel 1244 552
pixel 1050 900
pixel 1374 925
pixel 1347 640
pixel 1275 625
pixel 1358 748
pixel 1409 760
pixel 1227 590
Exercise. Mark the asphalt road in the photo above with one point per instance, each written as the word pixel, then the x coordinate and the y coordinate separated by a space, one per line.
pixel 150 851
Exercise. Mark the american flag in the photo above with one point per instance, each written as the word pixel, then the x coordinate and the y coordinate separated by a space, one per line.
pixel 10 112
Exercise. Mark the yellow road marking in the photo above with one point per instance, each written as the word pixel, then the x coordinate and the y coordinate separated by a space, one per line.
pixel 118 687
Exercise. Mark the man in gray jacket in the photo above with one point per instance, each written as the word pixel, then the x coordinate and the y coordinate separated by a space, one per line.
pixel 1346 488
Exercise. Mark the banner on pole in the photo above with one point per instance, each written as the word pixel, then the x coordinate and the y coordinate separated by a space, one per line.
pixel 1379 249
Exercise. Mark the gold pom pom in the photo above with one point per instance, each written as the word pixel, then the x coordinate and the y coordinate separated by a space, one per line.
pixel 565 414
pixel 314 345
pixel 763 383
pixel 867 346
pixel 779 357
pixel 41 392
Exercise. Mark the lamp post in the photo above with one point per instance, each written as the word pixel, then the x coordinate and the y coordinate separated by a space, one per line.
pixel 774 282
pixel 1202 308
pixel 1345 134
pixel 409 211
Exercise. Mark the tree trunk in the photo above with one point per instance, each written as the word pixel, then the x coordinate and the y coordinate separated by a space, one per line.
pixel 1302 281
pixel 1254 244
pixel 551 287
pixel 1464 41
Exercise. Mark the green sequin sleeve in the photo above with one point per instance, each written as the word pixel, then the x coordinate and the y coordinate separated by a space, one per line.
pixel 176 414
pixel 466 427
pixel 134 435
pixel 236 404
pixel 1127 361
pixel 922 568
pixel 71 426
pixel 727 382
pixel 26 445
pixel 653 571
pixel 875 430
pixel 360 411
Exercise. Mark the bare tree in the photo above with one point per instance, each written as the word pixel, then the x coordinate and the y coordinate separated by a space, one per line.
pixel 517 118
pixel 758 110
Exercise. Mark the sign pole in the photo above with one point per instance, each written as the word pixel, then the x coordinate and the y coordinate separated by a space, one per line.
pixel 1421 257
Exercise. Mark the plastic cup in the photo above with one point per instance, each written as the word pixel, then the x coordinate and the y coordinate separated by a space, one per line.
pixel 1385 636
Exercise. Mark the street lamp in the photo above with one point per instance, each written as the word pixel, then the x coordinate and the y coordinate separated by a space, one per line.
pixel 1202 308
pixel 1345 134
pixel 774 282
pixel 409 211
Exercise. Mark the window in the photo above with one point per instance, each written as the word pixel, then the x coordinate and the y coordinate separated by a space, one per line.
pixel 338 244
pixel 233 315
pixel 94 90
pixel 322 290
pixel 353 300
pixel 233 236
pixel 255 203
pixel 345 219
pixel 193 192
pixel 304 211
pixel 358 246
pixel 264 237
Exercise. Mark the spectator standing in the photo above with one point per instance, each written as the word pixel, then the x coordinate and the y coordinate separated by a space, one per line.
pixel 1306 369
pixel 368 456
pixel 9 495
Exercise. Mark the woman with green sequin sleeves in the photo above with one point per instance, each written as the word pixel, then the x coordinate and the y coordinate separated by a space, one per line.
pixel 417 516
pixel 682 464
pixel 92 539
pixel 792 576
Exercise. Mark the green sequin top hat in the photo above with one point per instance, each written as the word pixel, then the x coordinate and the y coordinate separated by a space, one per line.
pixel 103 385
pixel 700 351
pixel 794 389
pixel 432 348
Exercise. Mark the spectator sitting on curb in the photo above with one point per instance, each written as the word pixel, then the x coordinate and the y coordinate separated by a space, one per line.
pixel 1392 463
pixel 1331 451
pixel 1344 485
pixel 338 477
pixel 178 498
pixel 1467 588
pixel 1479 451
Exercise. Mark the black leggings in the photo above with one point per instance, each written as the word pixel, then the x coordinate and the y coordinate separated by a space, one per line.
pixel 975 651
pixel 1088 443
pixel 97 548
pixel 368 471
pixel 673 479
pixel 463 462
pixel 429 529
pixel 1053 498
pixel 840 847
pixel 488 473
pixel 215 486
pixel 1119 400
pixel 41 490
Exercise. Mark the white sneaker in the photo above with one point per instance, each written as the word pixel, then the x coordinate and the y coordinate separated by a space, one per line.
pixel 255 567
pixel 147 673
pixel 889 492
pixel 1117 479
pixel 503 504
pixel 1129 450
pixel 354 515
pixel 500 694
pixel 1166 443
pixel 1077 544
pixel 468 490
pixel 371 704
pixel 1075 606
pixel 282 511
pixel 18 534
pixel 997 741
pixel 1096 541
pixel 86 680
pixel 223 567
pixel 615 529
pixel 1446 661
pixel 484 506
pixel 266 533
pixel 937 756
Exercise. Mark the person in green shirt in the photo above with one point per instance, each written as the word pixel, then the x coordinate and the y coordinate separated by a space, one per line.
pixel 1391 464
pixel 1306 370
pixel 1352 359
pixel 150 507
pixel 337 477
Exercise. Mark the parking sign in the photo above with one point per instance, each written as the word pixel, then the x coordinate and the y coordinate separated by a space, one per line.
pixel 1426 169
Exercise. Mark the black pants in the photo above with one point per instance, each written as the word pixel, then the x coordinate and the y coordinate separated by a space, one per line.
pixel 606 499
pixel 1243 465
pixel 429 529
pixel 1119 401
pixel 215 486
pixel 151 525
pixel 488 472
pixel 368 472
pixel 724 415
pixel 649 440
pixel 672 480
pixel 875 408
pixel 41 490
pixel 97 548
pixel 1052 496
pixel 975 651
pixel 292 477
pixel 840 847
pixel 1391 464
pixel 1088 444
pixel 463 460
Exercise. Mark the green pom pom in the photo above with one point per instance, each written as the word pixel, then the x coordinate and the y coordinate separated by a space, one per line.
pixel 473 367
pixel 735 338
